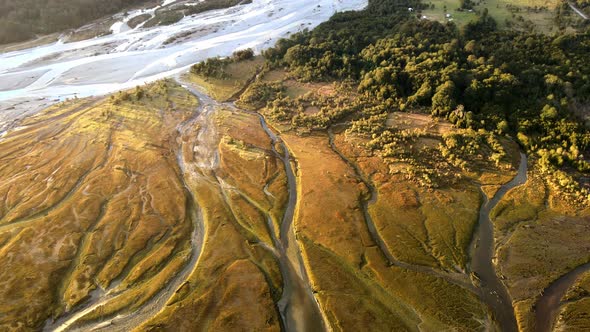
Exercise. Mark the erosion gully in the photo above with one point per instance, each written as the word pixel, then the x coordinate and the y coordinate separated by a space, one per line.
pixel 492 289
pixel 100 297
pixel 297 306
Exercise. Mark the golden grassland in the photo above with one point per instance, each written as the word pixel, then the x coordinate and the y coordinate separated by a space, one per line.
pixel 427 230
pixel 90 195
pixel 247 163
pixel 293 88
pixel 237 280
pixel 538 239
pixel 352 279
pixel 419 225
pixel 100 203
pixel 228 290
pixel 97 194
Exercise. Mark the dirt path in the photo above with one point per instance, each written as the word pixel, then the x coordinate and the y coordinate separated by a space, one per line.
pixel 578 11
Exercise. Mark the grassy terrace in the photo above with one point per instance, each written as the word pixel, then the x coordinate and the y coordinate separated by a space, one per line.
pixel 238 76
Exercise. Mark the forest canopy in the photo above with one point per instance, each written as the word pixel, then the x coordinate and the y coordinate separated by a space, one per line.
pixel 480 78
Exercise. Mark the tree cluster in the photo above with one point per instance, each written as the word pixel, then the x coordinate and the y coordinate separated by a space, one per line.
pixel 507 82
pixel 216 67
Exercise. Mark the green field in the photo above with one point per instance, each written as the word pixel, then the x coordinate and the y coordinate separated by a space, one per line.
pixel 538 15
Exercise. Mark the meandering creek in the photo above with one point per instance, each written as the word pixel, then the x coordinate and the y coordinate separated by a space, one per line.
pixel 492 290
pixel 298 307
pixel 548 305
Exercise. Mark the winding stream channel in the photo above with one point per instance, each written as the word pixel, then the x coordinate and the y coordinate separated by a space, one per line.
pixel 492 290
pixel 298 307
pixel 365 202
pixel 458 279
pixel 548 305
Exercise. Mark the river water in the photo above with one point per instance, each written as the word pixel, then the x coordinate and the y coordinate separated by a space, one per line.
pixel 37 77
pixel 548 305
pixel 492 289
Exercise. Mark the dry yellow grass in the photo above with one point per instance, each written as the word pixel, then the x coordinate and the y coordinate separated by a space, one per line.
pixel 249 164
pixel 237 279
pixel 421 122
pixel 354 284
pixel 90 189
pixel 421 226
pixel 97 194
pixel 228 290
pixel 127 218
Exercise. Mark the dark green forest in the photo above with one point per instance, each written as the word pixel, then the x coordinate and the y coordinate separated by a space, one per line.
pixel 525 85
pixel 23 19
